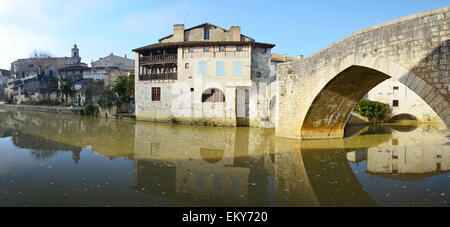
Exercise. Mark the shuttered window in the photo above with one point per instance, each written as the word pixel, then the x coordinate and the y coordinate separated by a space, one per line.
pixel 237 68
pixel 202 68
pixel 220 68
pixel 156 94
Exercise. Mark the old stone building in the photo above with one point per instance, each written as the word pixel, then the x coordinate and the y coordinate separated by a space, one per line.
pixel 109 68
pixel 110 61
pixel 45 66
pixel 5 75
pixel 204 75
pixel 36 78
pixel 403 102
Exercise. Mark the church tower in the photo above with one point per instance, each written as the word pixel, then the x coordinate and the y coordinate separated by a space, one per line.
pixel 75 57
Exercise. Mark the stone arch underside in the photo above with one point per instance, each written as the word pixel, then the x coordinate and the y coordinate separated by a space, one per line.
pixel 328 113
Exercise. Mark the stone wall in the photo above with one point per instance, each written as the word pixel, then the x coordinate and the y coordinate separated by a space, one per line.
pixel 259 92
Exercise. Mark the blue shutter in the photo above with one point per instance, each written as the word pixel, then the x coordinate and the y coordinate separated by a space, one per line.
pixel 237 68
pixel 220 68
pixel 202 68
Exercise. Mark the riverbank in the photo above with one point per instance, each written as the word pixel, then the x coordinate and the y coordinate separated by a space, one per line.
pixel 45 109
pixel 104 113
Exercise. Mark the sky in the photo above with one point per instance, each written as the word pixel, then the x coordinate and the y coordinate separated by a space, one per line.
pixel 102 27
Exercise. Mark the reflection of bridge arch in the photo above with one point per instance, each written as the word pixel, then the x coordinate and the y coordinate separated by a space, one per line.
pixel 332 81
pixel 403 128
pixel 403 116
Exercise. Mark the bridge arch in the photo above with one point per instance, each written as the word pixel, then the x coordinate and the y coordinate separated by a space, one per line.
pixel 316 95
pixel 328 113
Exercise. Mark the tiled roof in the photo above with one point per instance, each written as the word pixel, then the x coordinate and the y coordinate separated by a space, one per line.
pixel 202 43
pixel 283 58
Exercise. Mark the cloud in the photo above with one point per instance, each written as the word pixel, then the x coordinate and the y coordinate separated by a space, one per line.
pixel 19 43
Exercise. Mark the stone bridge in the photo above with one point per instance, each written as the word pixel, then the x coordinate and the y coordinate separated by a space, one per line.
pixel 316 95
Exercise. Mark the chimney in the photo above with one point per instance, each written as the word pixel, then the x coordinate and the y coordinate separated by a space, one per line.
pixel 236 33
pixel 300 57
pixel 178 33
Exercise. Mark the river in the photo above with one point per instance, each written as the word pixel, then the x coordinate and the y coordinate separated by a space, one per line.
pixel 69 160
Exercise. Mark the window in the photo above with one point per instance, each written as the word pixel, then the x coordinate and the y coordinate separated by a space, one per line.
pixel 202 68
pixel 395 142
pixel 206 49
pixel 218 182
pixel 239 48
pixel 206 34
pixel 395 103
pixel 263 50
pixel 220 68
pixel 156 94
pixel 235 183
pixel 258 75
pixel 155 149
pixel 191 49
pixel 213 95
pixel 395 88
pixel 200 180
pixel 237 68
pixel 186 66
pixel 222 48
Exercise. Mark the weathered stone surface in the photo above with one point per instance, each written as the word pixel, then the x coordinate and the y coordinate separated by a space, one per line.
pixel 317 94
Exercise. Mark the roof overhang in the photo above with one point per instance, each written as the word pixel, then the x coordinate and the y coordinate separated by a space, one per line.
pixel 202 43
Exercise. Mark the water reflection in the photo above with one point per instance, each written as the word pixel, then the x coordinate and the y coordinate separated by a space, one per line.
pixel 202 166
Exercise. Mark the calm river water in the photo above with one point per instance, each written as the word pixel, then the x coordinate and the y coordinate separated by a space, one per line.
pixel 67 160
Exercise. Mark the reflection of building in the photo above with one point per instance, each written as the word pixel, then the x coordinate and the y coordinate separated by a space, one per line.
pixel 410 153
pixel 209 166
pixel 236 166
pixel 403 102
pixel 40 148
pixel 357 156
pixel 203 75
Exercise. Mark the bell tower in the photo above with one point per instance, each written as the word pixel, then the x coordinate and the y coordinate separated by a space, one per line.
pixel 75 57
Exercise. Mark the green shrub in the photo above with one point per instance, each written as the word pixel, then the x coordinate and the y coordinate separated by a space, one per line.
pixel 375 111
pixel 90 110
pixel 107 99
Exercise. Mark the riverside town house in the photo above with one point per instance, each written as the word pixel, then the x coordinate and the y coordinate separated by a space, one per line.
pixel 205 75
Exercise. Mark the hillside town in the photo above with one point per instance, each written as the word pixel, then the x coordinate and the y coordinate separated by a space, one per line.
pixel 46 80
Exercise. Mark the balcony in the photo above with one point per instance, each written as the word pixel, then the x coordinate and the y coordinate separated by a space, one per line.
pixel 158 59
pixel 158 76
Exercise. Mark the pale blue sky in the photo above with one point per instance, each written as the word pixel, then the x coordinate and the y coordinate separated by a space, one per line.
pixel 102 27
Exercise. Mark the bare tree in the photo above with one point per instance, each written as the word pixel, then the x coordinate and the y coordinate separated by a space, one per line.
pixel 41 59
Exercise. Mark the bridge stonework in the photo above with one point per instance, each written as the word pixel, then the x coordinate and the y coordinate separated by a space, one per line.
pixel 316 95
